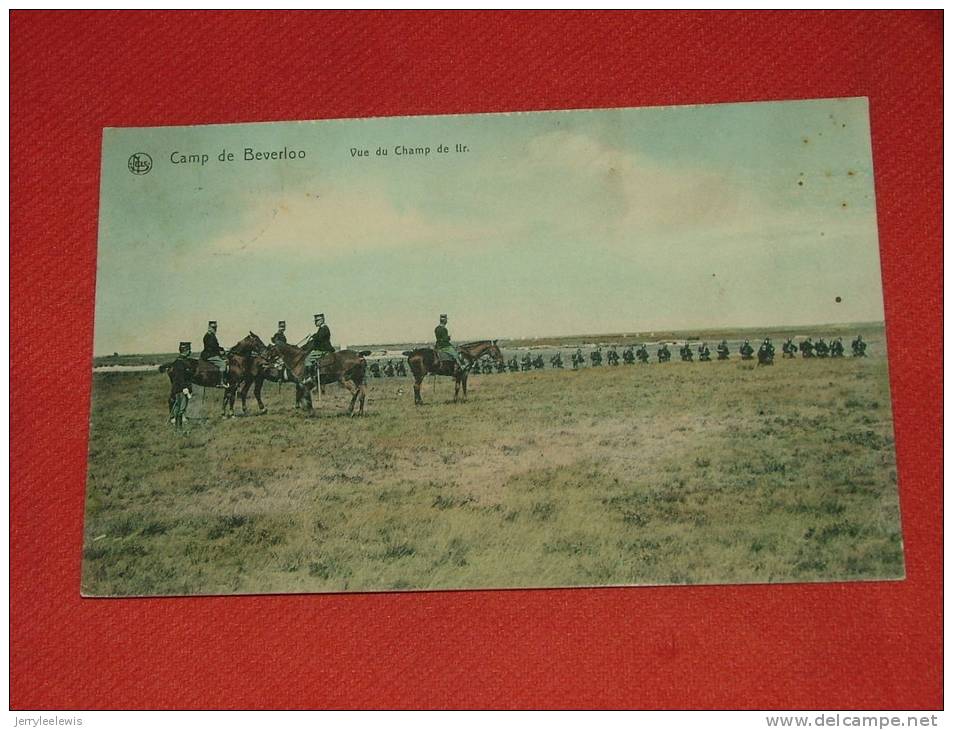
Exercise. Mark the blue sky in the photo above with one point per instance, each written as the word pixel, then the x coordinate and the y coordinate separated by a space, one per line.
pixel 551 223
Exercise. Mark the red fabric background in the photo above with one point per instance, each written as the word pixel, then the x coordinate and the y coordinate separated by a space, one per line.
pixel 874 645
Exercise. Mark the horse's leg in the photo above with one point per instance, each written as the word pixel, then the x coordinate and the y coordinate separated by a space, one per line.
pixel 457 379
pixel 465 375
pixel 244 394
pixel 259 382
pixel 363 390
pixel 352 389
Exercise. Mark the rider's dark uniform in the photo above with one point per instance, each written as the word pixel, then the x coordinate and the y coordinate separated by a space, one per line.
pixel 210 347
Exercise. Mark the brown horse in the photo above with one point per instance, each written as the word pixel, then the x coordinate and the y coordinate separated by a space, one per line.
pixel 241 368
pixel 346 367
pixel 426 361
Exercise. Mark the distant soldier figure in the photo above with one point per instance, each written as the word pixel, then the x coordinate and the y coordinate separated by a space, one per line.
pixel 704 354
pixel 514 364
pixel 613 356
pixel 578 359
pixel 595 358
pixel 213 352
pixel 501 366
pixel 401 369
pixel 789 349
pixel 663 353
pixel 556 361
pixel 487 367
pixel 443 345
pixel 766 352
pixel 526 363
pixel 821 349
pixel 722 350
pixel 642 354
pixel 807 348
pixel 686 353
pixel 746 350
pixel 375 368
pixel 858 347
pixel 319 344
pixel 837 347
pixel 628 356
pixel 279 337
pixel 538 362
pixel 181 377
pixel 389 369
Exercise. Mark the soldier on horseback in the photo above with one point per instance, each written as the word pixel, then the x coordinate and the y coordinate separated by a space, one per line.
pixel 279 338
pixel 443 346
pixel 319 344
pixel 212 352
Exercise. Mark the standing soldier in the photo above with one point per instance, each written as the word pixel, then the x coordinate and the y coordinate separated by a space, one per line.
pixel 685 351
pixel 628 356
pixel 578 359
pixel 837 347
pixel 664 354
pixel 613 356
pixel 487 367
pixel 443 344
pixel 766 352
pixel 556 361
pixel 401 370
pixel 807 348
pixel 501 366
pixel 318 344
pixel 746 350
pixel 526 363
pixel 213 352
pixel 514 364
pixel 789 349
pixel 375 369
pixel 279 337
pixel 704 354
pixel 389 369
pixel 858 347
pixel 642 354
pixel 595 357
pixel 820 348
pixel 181 376
pixel 722 350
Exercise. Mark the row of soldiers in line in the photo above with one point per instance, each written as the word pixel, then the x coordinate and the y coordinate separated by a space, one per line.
pixel 808 348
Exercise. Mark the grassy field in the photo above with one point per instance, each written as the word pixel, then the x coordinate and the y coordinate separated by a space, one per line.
pixel 678 473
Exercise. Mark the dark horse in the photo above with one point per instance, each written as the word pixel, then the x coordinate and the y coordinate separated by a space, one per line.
pixel 426 361
pixel 244 365
pixel 346 367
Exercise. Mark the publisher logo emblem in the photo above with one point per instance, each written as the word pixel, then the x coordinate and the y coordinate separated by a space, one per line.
pixel 139 163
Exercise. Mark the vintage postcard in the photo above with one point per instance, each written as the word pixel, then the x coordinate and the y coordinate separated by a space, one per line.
pixel 612 347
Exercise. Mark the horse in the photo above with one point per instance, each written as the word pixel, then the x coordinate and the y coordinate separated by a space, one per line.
pixel 345 367
pixel 426 361
pixel 240 366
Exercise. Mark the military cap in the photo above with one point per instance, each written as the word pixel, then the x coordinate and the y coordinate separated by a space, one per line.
pixel 281 323
pixel 185 348
pixel 212 323
pixel 319 317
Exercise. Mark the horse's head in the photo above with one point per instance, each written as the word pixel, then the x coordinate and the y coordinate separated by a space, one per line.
pixel 249 345
pixel 494 351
